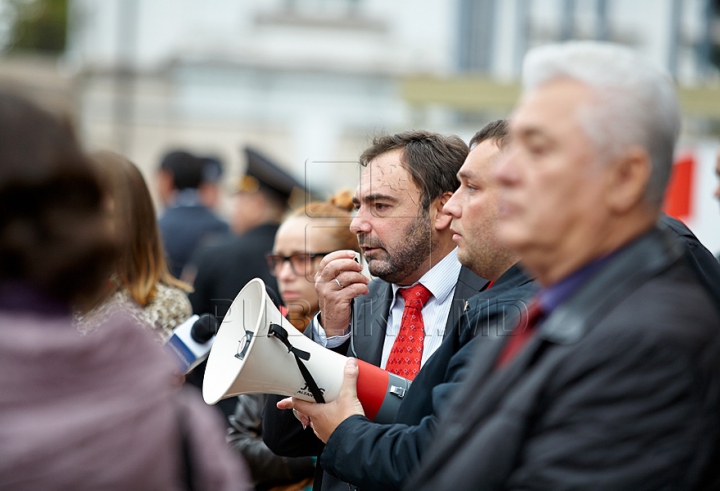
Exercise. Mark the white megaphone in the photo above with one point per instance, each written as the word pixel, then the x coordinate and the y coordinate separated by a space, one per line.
pixel 257 350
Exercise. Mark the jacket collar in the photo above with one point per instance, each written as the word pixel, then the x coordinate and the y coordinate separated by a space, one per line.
pixel 653 253
pixel 646 257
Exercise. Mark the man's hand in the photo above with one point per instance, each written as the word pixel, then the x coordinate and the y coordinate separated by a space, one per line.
pixel 324 418
pixel 338 281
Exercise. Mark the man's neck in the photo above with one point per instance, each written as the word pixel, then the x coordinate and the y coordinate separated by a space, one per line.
pixel 185 198
pixel 564 264
pixel 500 265
pixel 436 256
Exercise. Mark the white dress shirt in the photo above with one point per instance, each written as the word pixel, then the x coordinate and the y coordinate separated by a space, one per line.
pixel 441 281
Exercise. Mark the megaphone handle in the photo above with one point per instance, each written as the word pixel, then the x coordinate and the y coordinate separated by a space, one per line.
pixel 280 333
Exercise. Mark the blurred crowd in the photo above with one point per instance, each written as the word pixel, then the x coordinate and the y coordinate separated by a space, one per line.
pixel 555 330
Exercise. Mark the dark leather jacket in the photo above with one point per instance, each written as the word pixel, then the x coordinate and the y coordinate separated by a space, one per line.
pixel 245 436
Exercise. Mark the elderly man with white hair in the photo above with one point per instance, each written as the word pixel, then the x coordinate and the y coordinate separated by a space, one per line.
pixel 612 378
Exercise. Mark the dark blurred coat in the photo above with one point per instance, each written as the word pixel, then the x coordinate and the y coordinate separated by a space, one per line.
pixel 184 228
pixel 245 436
pixel 697 255
pixel 223 270
pixel 618 389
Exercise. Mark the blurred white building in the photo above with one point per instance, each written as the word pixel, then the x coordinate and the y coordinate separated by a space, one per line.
pixel 310 81
pixel 303 80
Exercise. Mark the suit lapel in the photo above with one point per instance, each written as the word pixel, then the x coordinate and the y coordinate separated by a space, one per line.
pixel 370 314
pixel 468 285
pixel 369 324
pixel 497 382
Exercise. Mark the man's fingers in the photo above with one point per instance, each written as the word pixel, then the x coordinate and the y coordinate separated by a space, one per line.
pixel 333 268
pixel 349 385
pixel 333 256
pixel 286 403
pixel 303 418
pixel 304 407
pixel 347 293
pixel 347 278
pixel 297 407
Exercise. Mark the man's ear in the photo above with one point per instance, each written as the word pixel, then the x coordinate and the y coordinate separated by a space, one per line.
pixel 627 178
pixel 442 220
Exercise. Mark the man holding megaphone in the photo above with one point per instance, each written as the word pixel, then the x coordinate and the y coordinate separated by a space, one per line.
pixel 381 457
pixel 405 237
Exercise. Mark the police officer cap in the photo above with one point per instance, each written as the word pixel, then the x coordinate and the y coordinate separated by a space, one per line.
pixel 264 175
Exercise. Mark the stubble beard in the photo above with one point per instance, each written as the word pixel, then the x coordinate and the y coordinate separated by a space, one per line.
pixel 413 251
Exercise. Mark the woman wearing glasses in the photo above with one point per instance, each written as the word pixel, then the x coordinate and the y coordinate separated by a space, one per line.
pixel 301 242
pixel 303 239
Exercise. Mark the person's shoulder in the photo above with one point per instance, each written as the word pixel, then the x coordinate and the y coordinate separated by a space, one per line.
pixel 673 298
pixel 515 287
pixel 168 293
pixel 171 216
pixel 208 217
pixel 471 280
pixel 131 339
pixel 670 316
pixel 169 308
pixel 217 250
pixel 251 244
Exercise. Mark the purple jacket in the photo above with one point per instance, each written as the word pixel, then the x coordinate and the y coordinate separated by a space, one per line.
pixel 102 411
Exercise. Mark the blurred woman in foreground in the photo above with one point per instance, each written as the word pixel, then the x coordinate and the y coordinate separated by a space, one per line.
pixel 140 275
pixel 78 413
pixel 303 239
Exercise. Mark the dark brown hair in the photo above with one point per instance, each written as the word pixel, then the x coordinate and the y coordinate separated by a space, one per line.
pixel 54 233
pixel 141 261
pixel 496 130
pixel 433 160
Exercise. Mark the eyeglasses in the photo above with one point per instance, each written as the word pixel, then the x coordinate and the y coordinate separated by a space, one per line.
pixel 300 262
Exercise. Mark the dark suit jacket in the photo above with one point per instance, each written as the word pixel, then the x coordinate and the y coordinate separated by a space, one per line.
pixel 225 268
pixel 381 457
pixel 282 432
pixel 697 256
pixel 184 229
pixel 618 389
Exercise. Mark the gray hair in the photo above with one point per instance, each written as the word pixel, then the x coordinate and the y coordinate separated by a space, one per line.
pixel 636 102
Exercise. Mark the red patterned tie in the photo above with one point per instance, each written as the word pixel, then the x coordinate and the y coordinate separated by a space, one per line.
pixel 406 353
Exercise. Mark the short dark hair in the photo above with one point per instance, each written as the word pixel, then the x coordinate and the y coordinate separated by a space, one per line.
pixel 433 160
pixel 55 234
pixel 496 130
pixel 186 169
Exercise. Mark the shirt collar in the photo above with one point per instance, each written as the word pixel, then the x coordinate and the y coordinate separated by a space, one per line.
pixel 441 279
pixel 553 296
pixel 187 197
